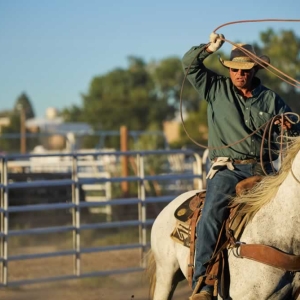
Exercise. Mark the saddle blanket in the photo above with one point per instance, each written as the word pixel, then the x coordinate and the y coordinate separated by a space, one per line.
pixel 183 214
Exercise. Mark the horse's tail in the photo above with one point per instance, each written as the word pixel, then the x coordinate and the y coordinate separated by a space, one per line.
pixel 151 272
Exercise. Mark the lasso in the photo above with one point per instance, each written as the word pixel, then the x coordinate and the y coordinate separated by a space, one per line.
pixel 264 65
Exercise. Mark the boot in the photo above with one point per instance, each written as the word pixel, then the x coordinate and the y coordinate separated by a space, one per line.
pixel 203 295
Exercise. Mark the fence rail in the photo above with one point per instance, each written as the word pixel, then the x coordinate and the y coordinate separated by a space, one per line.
pixel 143 198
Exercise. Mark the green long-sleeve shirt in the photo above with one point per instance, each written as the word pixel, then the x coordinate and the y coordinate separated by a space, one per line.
pixel 230 116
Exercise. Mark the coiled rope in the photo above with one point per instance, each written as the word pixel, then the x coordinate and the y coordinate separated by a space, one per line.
pixel 263 64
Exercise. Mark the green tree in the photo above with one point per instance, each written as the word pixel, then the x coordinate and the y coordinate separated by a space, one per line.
pixel 10 137
pixel 143 96
pixel 168 76
pixel 72 114
pixel 194 129
pixel 283 48
pixel 170 80
pixel 23 102
pixel 126 97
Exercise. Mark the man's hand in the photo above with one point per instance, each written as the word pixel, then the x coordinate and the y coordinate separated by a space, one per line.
pixel 216 42
pixel 284 124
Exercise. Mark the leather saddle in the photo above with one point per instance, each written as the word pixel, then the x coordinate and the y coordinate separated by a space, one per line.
pixel 189 213
pixel 184 212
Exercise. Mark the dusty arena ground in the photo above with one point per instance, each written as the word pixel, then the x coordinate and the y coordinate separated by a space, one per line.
pixel 131 286
pixel 122 287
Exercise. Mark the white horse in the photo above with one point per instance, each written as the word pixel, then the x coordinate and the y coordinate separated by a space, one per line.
pixel 273 213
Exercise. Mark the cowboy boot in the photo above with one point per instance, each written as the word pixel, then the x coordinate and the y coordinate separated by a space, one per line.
pixel 203 295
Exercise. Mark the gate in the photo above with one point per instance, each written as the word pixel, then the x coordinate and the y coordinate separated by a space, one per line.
pixel 155 178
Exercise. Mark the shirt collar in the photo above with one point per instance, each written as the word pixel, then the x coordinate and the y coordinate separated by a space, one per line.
pixel 257 86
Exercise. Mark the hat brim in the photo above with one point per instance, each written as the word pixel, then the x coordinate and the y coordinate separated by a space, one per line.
pixel 237 64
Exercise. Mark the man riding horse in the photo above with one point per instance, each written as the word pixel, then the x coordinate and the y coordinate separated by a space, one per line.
pixel 237 106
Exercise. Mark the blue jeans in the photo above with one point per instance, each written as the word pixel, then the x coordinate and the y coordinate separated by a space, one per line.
pixel 218 192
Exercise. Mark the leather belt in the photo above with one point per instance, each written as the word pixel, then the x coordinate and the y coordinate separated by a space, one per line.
pixel 241 161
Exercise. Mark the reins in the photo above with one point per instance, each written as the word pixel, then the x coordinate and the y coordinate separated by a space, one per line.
pixel 263 64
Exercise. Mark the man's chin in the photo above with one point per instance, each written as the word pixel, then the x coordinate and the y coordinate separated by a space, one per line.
pixel 240 85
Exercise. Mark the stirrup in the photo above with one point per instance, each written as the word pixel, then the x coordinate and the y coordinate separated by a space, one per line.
pixel 201 281
pixel 198 285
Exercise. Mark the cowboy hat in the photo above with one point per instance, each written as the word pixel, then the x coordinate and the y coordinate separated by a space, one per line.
pixel 240 60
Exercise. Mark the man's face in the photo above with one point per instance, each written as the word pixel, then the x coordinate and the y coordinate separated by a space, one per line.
pixel 241 78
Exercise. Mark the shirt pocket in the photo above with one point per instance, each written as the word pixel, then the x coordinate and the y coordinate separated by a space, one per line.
pixel 259 117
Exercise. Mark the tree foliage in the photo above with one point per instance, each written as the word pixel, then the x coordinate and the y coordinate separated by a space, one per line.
pixel 283 48
pixel 72 114
pixel 144 95
pixel 24 103
pixel 126 97
pixel 10 139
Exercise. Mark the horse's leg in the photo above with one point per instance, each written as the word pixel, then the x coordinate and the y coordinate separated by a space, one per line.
pixel 166 252
pixel 168 272
pixel 166 283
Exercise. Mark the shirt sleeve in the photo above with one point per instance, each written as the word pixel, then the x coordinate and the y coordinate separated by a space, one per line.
pixel 198 75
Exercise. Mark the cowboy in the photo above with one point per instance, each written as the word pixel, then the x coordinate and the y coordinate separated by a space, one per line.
pixel 237 106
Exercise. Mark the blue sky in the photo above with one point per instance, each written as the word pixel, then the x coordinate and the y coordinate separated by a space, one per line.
pixel 51 50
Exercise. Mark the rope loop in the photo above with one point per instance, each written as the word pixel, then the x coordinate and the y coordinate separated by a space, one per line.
pixel 268 125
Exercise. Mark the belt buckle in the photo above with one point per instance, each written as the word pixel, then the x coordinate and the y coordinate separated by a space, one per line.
pixel 246 161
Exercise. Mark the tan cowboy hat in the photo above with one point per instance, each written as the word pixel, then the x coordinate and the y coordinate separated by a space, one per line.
pixel 240 60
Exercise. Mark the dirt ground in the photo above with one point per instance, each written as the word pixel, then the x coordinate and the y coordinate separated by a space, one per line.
pixel 130 286
pixel 118 287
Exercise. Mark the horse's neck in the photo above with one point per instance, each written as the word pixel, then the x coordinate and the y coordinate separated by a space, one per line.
pixel 278 221
pixel 287 197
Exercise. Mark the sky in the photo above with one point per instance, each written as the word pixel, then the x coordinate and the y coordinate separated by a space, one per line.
pixel 51 50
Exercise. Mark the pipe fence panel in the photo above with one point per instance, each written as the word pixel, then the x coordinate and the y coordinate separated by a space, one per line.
pixel 64 214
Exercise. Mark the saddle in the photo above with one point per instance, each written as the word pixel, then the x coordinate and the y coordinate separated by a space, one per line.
pixel 188 214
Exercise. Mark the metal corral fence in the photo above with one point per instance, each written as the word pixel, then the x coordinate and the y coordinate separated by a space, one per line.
pixel 155 178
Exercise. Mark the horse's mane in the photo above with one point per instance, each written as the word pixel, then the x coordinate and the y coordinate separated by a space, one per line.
pixel 266 189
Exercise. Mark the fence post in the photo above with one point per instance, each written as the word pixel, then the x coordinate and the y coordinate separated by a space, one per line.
pixel 124 158
pixel 4 222
pixel 142 206
pixel 23 130
pixel 76 214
